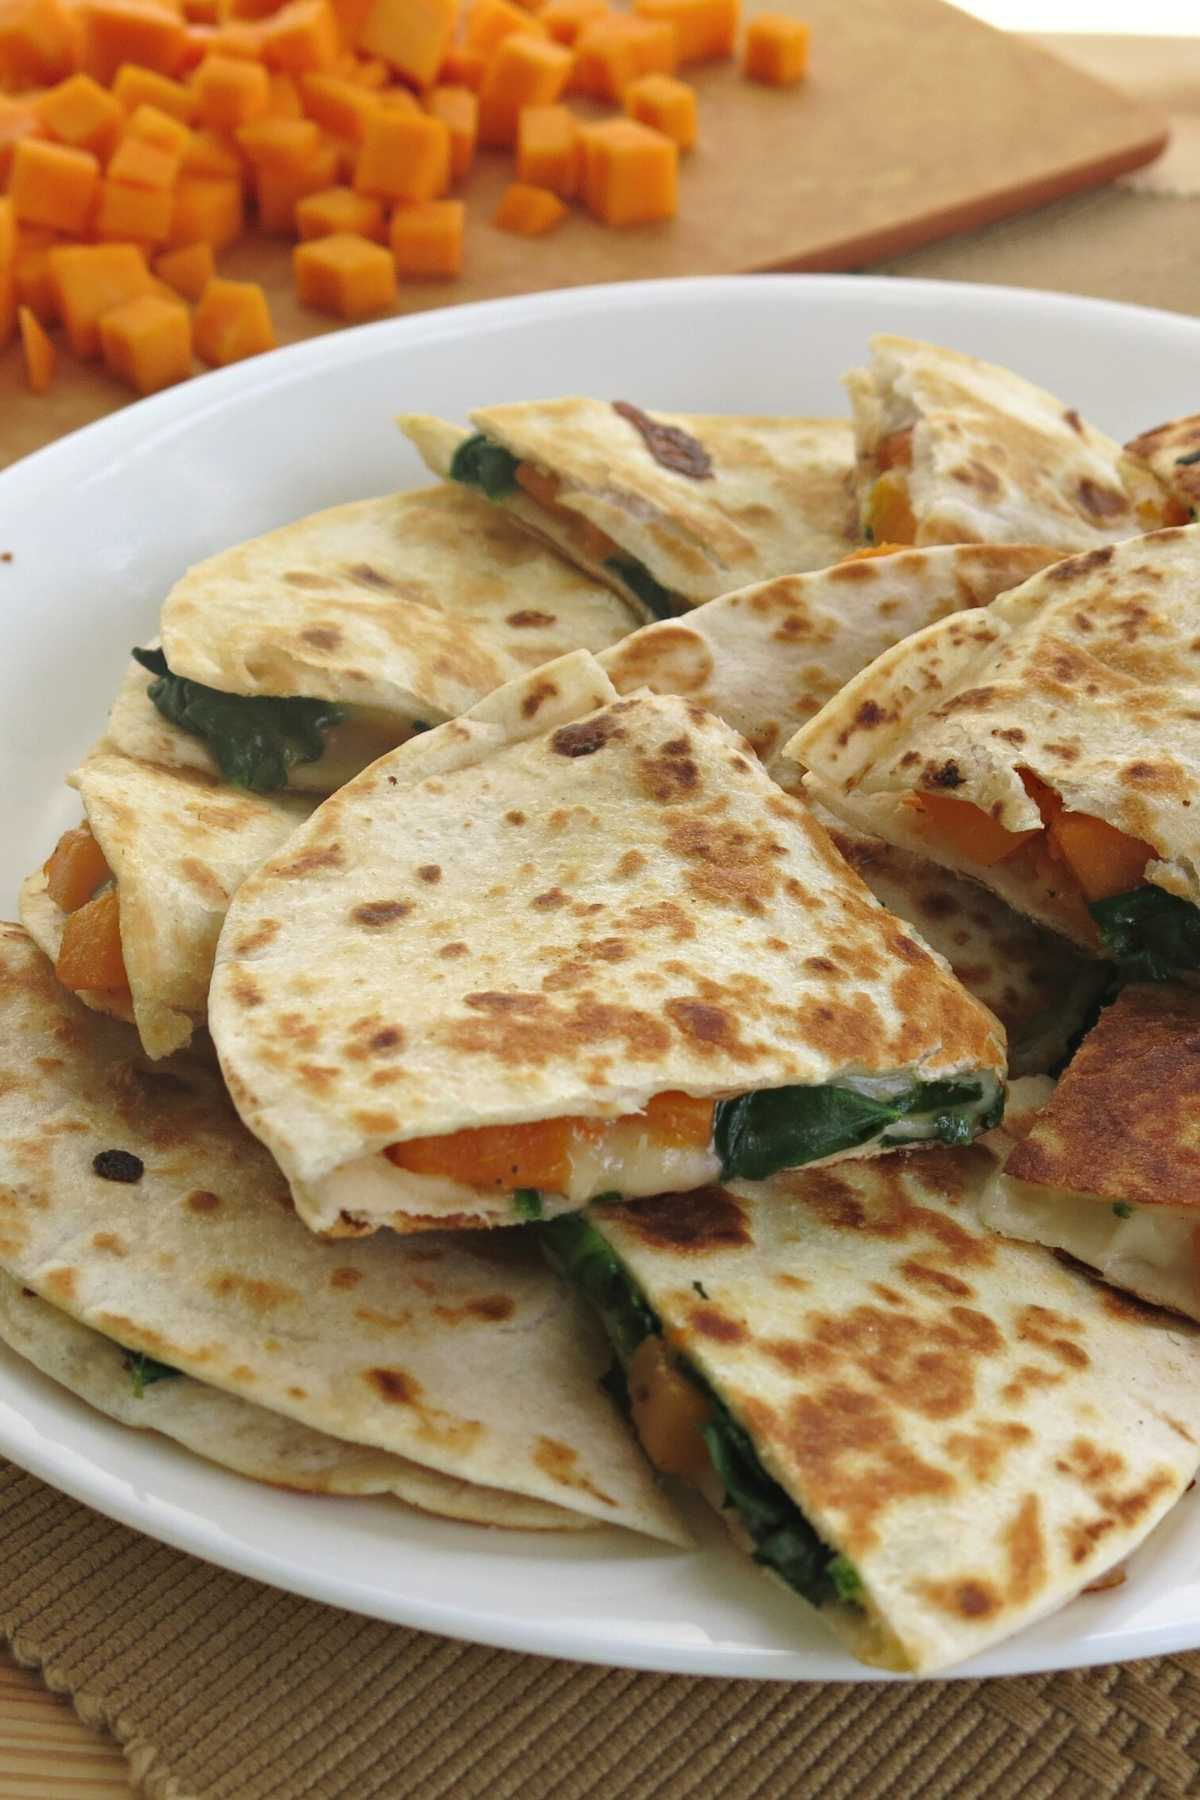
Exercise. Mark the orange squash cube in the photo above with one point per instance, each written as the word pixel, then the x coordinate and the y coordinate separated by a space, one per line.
pixel 11 235
pixel 427 239
pixel 285 145
pixel 630 173
pixel 616 50
pixel 491 21
pixel 301 36
pixel 130 31
pixel 351 16
pixel 369 72
pixel 39 41
pixel 337 105
pixel 53 184
pixel 17 121
pixel 230 92
pixel 8 271
pixel 704 29
pixel 79 112
pixel 412 36
pixel 666 104
pixel 206 209
pixel 33 282
pixel 229 11
pixel 128 214
pixel 144 164
pixel 403 157
pixel 155 127
pixel 458 109
pixel 278 192
pixel 136 87
pixel 232 321
pixel 337 210
pixel 776 51
pixel 89 280
pixel 239 38
pixel 187 271
pixel 345 275
pixel 211 153
pixel 529 211
pixel 285 98
pixel 41 358
pixel 524 71
pixel 549 149
pixel 565 19
pixel 462 67
pixel 147 343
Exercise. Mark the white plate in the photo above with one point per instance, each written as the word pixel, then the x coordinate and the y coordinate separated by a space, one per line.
pixel 101 524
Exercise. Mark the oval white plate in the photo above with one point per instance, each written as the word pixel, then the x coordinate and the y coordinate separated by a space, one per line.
pixel 101 524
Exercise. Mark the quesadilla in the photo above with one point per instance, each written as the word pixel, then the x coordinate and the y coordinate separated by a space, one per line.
pixel 1047 745
pixel 132 1201
pixel 931 1434
pixel 298 658
pixel 1110 1168
pixel 1172 451
pixel 954 450
pixel 129 904
pixel 669 510
pixel 570 944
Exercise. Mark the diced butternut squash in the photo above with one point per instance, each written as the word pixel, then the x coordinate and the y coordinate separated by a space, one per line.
pixel 136 87
pixel 34 284
pixel 18 121
pixel 458 109
pixel 10 234
pixel 230 92
pixel 337 105
pixel 252 10
pixel 524 71
pixel 130 31
pixel 89 957
pixel 369 72
pixel 240 38
pixel 8 304
pixel 89 280
pixel 300 37
pixel 340 209
pixel 427 238
pixel 532 1155
pixel 278 192
pixel 75 868
pixel 669 1411
pixel 630 173
pixel 346 275
pixel 232 321
pixel 616 50
pixel 895 450
pixel 412 36
pixel 127 214
pixel 147 343
pixel 529 211
pixel 666 104
pixel 285 98
pixel 398 99
pixel 188 270
pixel 403 157
pixel 463 67
pixel 704 29
pixel 776 50
pixel 212 153
pixel 156 127
pixel 143 164
pixel 1103 860
pixel 679 1119
pixel 549 149
pixel 565 19
pixel 79 112
pixel 890 514
pixel 206 209
pixel 41 358
pixel 351 16
pixel 53 184
pixel 285 145
pixel 39 42
pixel 967 830
pixel 489 22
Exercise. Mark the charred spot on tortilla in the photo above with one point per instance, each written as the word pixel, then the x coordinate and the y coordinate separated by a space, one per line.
pixel 671 447
pixel 527 619
pixel 1101 502
pixel 376 913
pixel 585 737
pixel 705 1219
pixel 118 1165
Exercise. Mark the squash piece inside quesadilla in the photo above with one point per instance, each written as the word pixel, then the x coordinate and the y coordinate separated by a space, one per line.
pixel 1046 745
pixel 1110 1168
pixel 951 449
pixel 1173 452
pixel 670 509
pixel 571 944
pixel 930 1433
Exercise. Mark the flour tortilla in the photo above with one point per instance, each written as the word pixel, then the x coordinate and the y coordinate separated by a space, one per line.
pixel 564 904
pixel 1088 675
pixel 179 843
pixel 780 498
pixel 406 609
pixel 1110 1168
pixel 994 458
pixel 468 1359
pixel 980 1430
pixel 1172 451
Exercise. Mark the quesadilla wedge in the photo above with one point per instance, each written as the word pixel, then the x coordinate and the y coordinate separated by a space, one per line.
pixel 298 658
pixel 132 1200
pixel 954 450
pixel 930 1433
pixel 1173 452
pixel 569 944
pixel 129 904
pixel 669 510
pixel 1047 745
pixel 1110 1168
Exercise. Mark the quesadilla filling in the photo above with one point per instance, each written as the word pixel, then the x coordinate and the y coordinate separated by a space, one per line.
pixel 496 472
pixel 81 884
pixel 1093 871
pixel 677 1142
pixel 687 1430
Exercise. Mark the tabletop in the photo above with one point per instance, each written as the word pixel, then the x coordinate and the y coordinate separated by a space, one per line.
pixel 46 1751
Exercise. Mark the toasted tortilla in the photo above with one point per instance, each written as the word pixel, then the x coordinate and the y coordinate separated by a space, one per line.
pixel 994 458
pixel 404 609
pixel 777 498
pixel 1110 1168
pixel 561 905
pixel 179 844
pixel 1173 452
pixel 1088 676
pixel 978 1430
pixel 466 1358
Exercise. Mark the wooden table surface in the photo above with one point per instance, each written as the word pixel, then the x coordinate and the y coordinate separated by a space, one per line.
pixel 46 1751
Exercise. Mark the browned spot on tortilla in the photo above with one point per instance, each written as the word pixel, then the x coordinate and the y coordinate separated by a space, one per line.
pixel 671 774
pixel 710 1322
pixel 705 1027
pixel 550 901
pixel 560 1462
pixel 798 1283
pixel 662 915
pixel 310 859
pixel 430 872
pixel 587 736
pixel 457 948
pixel 538 694
pixel 396 1386
pixel 531 1029
pixel 258 939
pixel 345 1278
pixel 493 1309
pixel 397 1321
pixel 261 1295
pixel 375 1123
pixel 376 913
pixel 200 1200
pixel 966 1598
pixel 983 1449
pixel 515 816
pixel 925 1365
pixel 936 1281
pixel 1101 502
pixel 62 1283
pixel 1028 1378
pixel 706 1219
pixel 111 1242
pixel 204 880
pixel 1073 420
pixel 321 637
pixel 729 864
pixel 300 578
pixel 369 577
pixel 527 619
pixel 631 863
pixel 1048 1329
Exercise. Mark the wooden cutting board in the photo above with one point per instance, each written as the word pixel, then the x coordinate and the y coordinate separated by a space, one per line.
pixel 916 121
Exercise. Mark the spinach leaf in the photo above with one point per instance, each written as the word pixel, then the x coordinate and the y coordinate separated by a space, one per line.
pixel 479 463
pixel 578 1252
pixel 144 1371
pixel 757 1134
pixel 527 1203
pixel 255 738
pixel 1151 935
pixel 638 579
